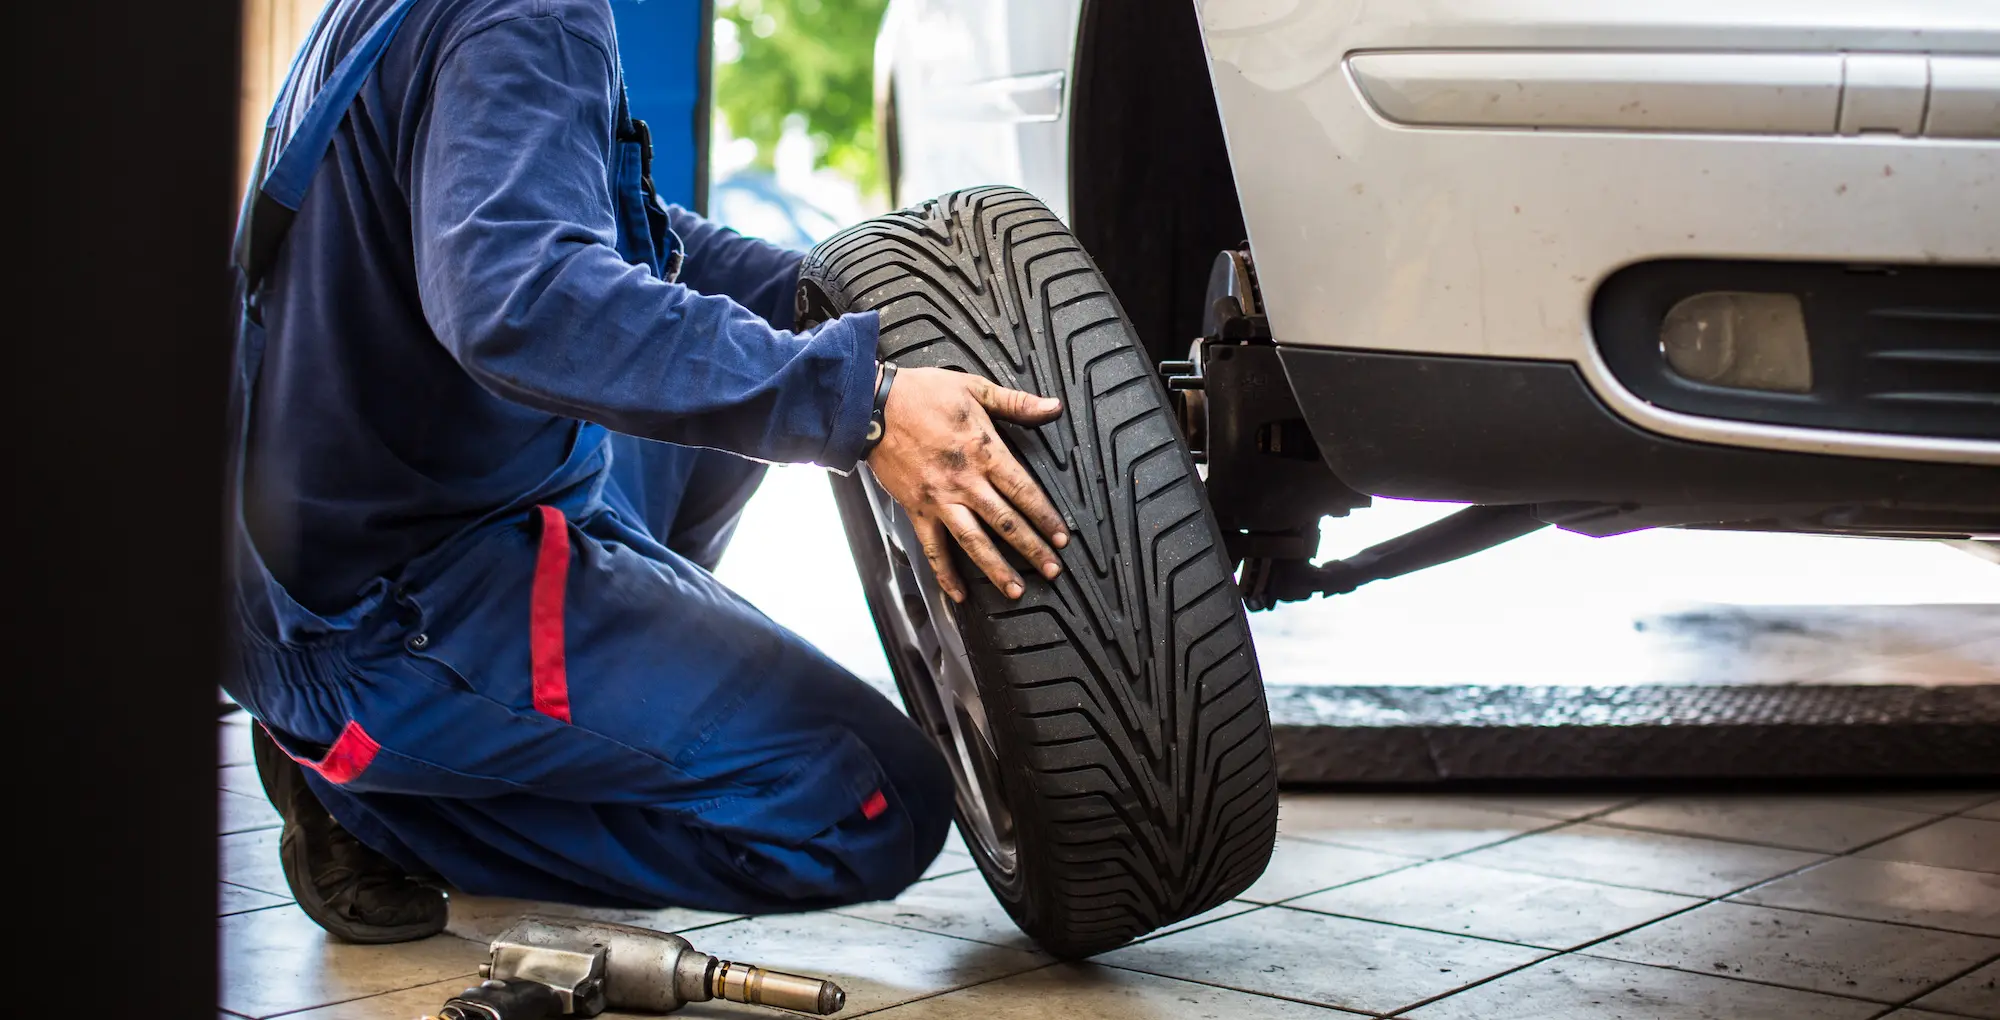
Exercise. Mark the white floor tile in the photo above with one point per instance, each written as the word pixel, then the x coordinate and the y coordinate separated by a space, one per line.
pixel 1967 901
pixel 237 813
pixel 950 862
pixel 960 905
pixel 1587 988
pixel 482 918
pixel 1933 802
pixel 1334 961
pixel 234 899
pixel 241 779
pixel 1086 992
pixel 422 1000
pixel 233 745
pixel 1837 955
pixel 1217 913
pixel 1416 826
pixel 1976 994
pixel 1566 806
pixel 277 960
pixel 1969 843
pixel 1642 860
pixel 1822 824
pixel 878 965
pixel 250 859
pixel 1536 910
pixel 1298 867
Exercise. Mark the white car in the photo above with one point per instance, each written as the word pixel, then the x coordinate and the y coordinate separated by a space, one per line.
pixel 1599 264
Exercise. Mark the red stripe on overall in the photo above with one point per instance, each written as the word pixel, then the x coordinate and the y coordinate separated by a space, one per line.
pixel 545 617
pixel 346 758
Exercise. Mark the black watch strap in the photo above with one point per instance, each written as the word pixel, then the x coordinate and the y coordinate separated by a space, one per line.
pixel 876 425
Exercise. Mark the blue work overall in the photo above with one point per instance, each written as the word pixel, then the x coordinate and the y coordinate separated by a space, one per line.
pixel 560 702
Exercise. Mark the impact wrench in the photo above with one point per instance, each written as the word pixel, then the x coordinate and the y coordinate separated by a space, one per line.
pixel 548 967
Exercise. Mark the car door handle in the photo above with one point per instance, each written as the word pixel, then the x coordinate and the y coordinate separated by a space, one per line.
pixel 1964 98
pixel 1910 94
pixel 1031 98
pixel 1749 93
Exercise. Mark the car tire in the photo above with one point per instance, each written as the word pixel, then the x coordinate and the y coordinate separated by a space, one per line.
pixel 1108 731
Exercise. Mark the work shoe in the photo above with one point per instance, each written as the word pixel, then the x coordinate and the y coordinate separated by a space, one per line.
pixel 353 892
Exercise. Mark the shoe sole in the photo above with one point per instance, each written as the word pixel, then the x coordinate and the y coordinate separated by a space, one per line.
pixel 278 773
pixel 292 853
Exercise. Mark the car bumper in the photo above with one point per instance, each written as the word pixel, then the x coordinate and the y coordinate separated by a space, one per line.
pixel 1515 430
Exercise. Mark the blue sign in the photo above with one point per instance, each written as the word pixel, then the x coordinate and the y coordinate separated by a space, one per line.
pixel 665 47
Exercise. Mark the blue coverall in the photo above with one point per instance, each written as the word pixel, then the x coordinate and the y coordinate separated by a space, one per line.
pixel 472 587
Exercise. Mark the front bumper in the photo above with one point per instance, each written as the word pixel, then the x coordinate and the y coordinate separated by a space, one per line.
pixel 1512 430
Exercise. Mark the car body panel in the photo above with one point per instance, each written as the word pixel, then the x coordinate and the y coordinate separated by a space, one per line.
pixel 1485 232
pixel 982 87
pixel 1490 241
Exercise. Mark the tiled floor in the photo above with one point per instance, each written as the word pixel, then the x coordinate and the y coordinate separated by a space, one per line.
pixel 1436 907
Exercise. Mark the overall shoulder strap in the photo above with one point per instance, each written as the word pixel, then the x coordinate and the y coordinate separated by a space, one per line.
pixel 630 129
pixel 270 208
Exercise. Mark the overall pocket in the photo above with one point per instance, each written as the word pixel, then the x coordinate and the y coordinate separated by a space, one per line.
pixel 356 762
pixel 472 619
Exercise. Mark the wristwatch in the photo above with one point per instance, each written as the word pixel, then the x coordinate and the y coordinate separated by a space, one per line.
pixel 876 426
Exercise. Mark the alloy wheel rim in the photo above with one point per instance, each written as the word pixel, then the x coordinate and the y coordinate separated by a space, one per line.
pixel 945 698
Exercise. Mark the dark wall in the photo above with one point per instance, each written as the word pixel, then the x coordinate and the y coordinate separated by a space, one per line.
pixel 117 339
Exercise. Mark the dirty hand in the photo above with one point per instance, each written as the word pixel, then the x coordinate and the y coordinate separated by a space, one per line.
pixel 942 459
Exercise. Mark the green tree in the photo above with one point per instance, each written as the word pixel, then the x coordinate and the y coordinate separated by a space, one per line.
pixel 810 58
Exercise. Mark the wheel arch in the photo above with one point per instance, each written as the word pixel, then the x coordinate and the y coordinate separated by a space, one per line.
pixel 1152 193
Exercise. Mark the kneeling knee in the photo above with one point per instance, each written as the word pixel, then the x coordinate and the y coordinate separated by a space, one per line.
pixel 894 840
pixel 873 856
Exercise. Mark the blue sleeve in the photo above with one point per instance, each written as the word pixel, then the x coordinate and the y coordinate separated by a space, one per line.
pixel 756 274
pixel 517 270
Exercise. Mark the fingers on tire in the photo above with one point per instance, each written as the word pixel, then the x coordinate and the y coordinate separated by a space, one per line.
pixel 1006 521
pixel 936 542
pixel 1017 406
pixel 1019 488
pixel 979 547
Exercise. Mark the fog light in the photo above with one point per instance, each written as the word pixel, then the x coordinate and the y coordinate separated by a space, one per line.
pixel 1740 340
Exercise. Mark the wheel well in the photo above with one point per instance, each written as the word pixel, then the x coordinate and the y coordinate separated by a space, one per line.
pixel 1152 196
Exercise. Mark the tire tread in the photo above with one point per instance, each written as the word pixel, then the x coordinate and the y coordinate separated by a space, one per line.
pixel 1126 693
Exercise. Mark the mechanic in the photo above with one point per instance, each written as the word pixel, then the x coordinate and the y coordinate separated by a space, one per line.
pixel 472 589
